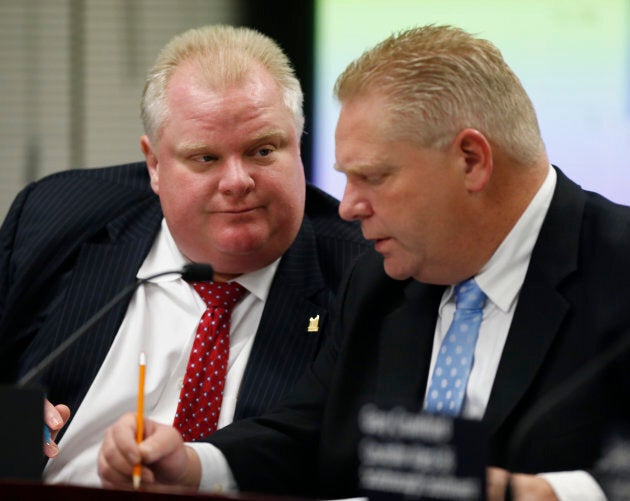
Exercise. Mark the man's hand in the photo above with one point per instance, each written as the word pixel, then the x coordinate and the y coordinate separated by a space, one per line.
pixel 164 457
pixel 522 487
pixel 55 418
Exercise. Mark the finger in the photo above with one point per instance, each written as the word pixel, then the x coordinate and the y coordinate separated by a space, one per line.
pixel 123 438
pixel 117 454
pixel 119 446
pixel 52 421
pixel 50 448
pixel 52 418
pixel 109 475
pixel 164 451
pixel 160 441
pixel 64 413
pixel 497 482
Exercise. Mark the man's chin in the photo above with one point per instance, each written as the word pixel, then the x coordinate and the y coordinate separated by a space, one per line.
pixel 251 255
pixel 395 270
pixel 242 243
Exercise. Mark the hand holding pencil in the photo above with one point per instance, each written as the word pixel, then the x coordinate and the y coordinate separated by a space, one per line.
pixel 55 418
pixel 146 452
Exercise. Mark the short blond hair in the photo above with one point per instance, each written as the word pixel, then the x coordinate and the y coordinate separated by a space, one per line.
pixel 225 55
pixel 439 80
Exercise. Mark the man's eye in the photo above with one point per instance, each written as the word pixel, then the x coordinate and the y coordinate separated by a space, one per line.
pixel 207 158
pixel 265 152
pixel 373 178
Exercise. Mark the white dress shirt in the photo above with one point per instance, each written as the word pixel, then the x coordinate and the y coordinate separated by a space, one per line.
pixel 161 321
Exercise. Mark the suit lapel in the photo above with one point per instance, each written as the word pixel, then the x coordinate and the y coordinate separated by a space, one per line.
pixel 405 348
pixel 538 316
pixel 283 347
pixel 541 306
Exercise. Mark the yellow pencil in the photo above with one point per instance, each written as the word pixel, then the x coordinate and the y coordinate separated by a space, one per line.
pixel 142 365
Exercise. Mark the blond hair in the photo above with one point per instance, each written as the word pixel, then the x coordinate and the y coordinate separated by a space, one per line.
pixel 225 55
pixel 438 80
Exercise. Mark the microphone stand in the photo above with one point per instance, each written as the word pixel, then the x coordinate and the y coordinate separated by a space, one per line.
pixel 193 271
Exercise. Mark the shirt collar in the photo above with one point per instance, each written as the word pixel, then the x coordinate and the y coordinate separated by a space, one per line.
pixel 165 255
pixel 502 277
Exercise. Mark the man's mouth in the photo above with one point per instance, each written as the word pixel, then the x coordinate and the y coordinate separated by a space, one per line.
pixel 380 243
pixel 243 210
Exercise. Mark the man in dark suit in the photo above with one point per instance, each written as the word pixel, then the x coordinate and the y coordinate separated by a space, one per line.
pixel 223 184
pixel 447 172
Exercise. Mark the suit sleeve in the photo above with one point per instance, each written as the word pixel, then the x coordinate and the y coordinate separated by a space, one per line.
pixel 8 233
pixel 278 452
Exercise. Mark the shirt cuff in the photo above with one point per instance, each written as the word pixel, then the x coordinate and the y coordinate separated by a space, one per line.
pixel 574 486
pixel 216 475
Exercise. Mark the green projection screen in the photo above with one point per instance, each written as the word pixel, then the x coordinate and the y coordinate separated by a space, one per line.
pixel 573 58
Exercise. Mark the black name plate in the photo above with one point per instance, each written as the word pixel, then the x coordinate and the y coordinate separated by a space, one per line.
pixel 407 455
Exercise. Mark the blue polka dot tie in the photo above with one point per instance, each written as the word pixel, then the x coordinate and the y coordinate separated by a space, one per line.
pixel 201 395
pixel 447 388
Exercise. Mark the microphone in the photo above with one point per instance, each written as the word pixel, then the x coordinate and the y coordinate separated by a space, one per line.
pixel 193 272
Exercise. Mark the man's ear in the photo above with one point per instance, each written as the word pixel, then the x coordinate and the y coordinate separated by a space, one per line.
pixel 152 162
pixel 475 152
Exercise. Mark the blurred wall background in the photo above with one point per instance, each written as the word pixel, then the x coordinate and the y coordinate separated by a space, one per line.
pixel 72 73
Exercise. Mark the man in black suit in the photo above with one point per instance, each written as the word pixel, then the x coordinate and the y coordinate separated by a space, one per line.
pixel 223 183
pixel 447 172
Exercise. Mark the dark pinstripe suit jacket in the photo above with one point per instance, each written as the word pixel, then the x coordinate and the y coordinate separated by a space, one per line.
pixel 74 239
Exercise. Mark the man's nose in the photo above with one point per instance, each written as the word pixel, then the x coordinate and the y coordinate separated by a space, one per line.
pixel 353 205
pixel 236 178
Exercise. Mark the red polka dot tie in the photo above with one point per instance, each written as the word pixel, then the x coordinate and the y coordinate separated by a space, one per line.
pixel 202 392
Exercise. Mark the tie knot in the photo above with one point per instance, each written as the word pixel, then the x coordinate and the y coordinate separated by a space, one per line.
pixel 468 296
pixel 220 294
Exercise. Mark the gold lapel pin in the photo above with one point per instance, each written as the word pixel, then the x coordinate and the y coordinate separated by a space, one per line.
pixel 313 324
